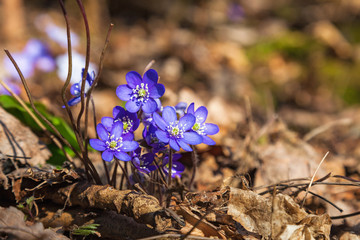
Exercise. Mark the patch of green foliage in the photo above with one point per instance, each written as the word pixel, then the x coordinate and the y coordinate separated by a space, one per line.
pixel 291 45
pixel 86 230
pixel 13 107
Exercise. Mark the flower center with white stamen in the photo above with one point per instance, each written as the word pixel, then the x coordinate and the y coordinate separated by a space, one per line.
pixel 199 128
pixel 127 124
pixel 140 93
pixel 175 130
pixel 114 144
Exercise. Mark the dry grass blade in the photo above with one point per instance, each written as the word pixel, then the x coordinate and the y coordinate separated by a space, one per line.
pixel 325 127
pixel 312 179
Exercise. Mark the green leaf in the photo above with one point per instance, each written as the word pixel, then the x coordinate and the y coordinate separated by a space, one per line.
pixel 86 229
pixel 13 107
pixel 20 206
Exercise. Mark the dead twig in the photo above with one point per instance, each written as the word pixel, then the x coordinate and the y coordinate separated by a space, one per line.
pixel 346 216
pixel 143 208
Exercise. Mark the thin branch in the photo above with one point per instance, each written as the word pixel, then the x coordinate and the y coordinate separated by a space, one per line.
pixel 87 62
pixel 89 167
pixel 68 78
pixel 326 200
pixel 92 87
pixel 346 216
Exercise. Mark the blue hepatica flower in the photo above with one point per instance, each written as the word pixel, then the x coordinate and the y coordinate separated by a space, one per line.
pixel 14 86
pixel 112 144
pixel 35 55
pixel 141 92
pixel 177 167
pixel 75 89
pixel 180 108
pixel 200 127
pixel 129 120
pixel 176 132
pixel 143 162
pixel 149 135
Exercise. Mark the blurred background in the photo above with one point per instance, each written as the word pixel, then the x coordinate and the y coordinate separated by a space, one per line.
pixel 298 54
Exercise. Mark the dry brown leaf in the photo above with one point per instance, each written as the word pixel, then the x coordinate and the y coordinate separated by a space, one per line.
pixel 279 218
pixel 350 236
pixel 12 223
pixel 19 141
pixel 204 226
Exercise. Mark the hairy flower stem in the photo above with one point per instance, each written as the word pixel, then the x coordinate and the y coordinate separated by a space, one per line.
pixel 195 160
pixel 170 166
pixel 113 179
pixel 124 170
pixel 163 178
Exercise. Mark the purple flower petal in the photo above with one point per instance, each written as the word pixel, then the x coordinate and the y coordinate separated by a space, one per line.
pixel 97 144
pixel 174 145
pixel 180 108
pixel 208 140
pixel 133 79
pixel 178 166
pixel 117 129
pixel 150 77
pixel 128 136
pixel 137 151
pixel 157 90
pixel 191 108
pixel 45 63
pixel 108 155
pixel 159 121
pixel 184 146
pixel 211 129
pixel 136 122
pixel 162 136
pixel 118 112
pixel 107 122
pixel 187 121
pixel 148 158
pixel 132 106
pixel 123 92
pixel 201 114
pixel 74 101
pixel 169 114
pixel 150 106
pixel 128 146
pixel 101 131
pixel 192 138
pixel 75 89
pixel 122 156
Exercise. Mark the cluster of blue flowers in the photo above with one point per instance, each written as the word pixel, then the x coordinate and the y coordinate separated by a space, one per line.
pixel 176 127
